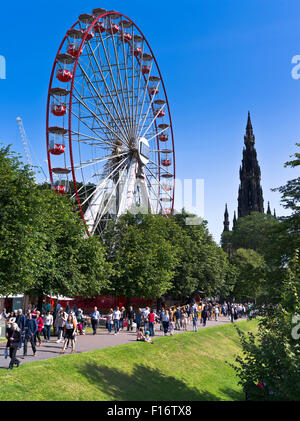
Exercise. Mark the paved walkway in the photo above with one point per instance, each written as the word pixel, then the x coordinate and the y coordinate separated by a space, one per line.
pixel 89 342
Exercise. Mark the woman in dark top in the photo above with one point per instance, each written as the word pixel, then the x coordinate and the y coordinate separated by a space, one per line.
pixel 138 317
pixel 204 316
pixel 14 339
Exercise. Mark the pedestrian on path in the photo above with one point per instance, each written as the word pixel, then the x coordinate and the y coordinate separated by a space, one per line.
pixel 171 327
pixel 151 319
pixel 80 322
pixel 178 316
pixel 110 320
pixel 130 318
pixel 60 323
pixel 40 325
pixel 165 321
pixel 138 317
pixel 69 333
pixel 216 313
pixel 48 322
pixel 116 318
pixel 122 317
pixel 95 316
pixel 14 340
pixel 30 331
pixel 20 320
pixel 195 319
pixel 204 316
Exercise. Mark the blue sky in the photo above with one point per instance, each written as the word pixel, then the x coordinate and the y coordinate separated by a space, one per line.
pixel 218 58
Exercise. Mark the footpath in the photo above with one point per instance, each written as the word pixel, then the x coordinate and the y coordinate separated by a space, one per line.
pixel 90 342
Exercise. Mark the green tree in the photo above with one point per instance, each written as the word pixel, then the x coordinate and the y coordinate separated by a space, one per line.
pixel 250 276
pixel 143 260
pixel 43 247
pixel 269 368
pixel 202 264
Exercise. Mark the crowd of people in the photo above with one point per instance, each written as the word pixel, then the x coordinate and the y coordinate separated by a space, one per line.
pixel 66 323
pixel 168 319
pixel 22 329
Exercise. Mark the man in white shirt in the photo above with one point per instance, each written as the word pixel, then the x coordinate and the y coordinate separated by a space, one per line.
pixel 116 317
pixel 95 316
pixel 145 315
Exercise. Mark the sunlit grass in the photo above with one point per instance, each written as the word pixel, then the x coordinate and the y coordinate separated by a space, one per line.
pixel 187 366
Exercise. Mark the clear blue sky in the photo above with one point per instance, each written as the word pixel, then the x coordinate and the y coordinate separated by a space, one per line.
pixel 218 58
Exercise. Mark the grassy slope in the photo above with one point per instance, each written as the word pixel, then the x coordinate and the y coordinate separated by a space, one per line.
pixel 187 366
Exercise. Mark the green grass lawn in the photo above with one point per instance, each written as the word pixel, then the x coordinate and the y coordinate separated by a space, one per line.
pixel 188 366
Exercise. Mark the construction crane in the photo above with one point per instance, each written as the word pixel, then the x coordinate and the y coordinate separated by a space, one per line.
pixel 26 145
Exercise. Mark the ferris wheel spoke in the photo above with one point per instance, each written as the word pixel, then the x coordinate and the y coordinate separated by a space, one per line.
pixel 151 188
pixel 159 166
pixel 97 160
pixel 90 83
pixel 99 119
pixel 114 83
pixel 164 191
pixel 139 125
pixel 157 134
pixel 109 176
pixel 93 130
pixel 153 120
pixel 138 97
pixel 108 90
pixel 126 80
pixel 100 214
pixel 120 77
pixel 98 139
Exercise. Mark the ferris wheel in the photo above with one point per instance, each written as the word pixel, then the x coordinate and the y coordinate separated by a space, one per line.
pixel 109 131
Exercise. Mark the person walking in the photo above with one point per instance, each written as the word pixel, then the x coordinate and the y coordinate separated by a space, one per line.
pixel 165 321
pixel 80 322
pixel 185 320
pixel 204 316
pixel 145 318
pixel 14 340
pixel 138 317
pixel 8 332
pixel 151 320
pixel 171 326
pixel 20 320
pixel 130 318
pixel 116 318
pixel 231 313
pixel 95 316
pixel 30 331
pixel 60 323
pixel 122 317
pixel 178 316
pixel 48 322
pixel 40 325
pixel 110 320
pixel 216 313
pixel 195 319
pixel 69 333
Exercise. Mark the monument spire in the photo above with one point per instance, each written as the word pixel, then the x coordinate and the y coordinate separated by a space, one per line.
pixel 226 219
pixel 250 197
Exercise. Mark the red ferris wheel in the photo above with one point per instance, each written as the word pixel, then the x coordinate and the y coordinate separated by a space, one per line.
pixel 109 130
